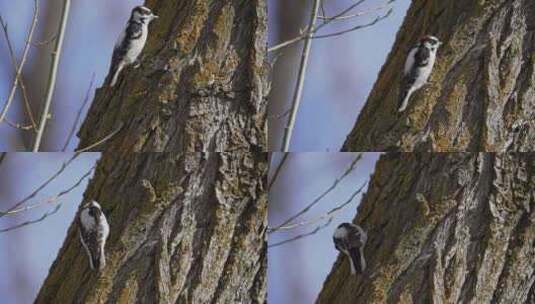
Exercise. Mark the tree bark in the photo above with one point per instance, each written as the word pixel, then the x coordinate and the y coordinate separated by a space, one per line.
pixel 185 228
pixel 481 94
pixel 201 86
pixel 444 228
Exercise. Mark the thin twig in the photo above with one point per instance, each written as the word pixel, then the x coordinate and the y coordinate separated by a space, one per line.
pixel 328 214
pixel 54 198
pixel 358 14
pixel 281 115
pixel 300 78
pixel 277 170
pixel 326 21
pixel 322 195
pixel 18 125
pixel 22 61
pixel 300 236
pixel 358 27
pixel 2 157
pixel 79 114
pixel 22 85
pixel 103 140
pixel 42 186
pixel 47 214
pixel 311 30
pixel 45 42
pixel 56 53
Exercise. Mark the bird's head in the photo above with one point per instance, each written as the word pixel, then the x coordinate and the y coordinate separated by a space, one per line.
pixel 93 207
pixel 431 42
pixel 142 14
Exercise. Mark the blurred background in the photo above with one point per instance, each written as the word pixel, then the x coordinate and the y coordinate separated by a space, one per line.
pixel 296 270
pixel 28 252
pixel 92 29
pixel 340 75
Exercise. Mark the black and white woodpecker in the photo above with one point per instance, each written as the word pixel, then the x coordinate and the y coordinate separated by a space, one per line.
pixel 94 230
pixel 131 41
pixel 418 67
pixel 350 240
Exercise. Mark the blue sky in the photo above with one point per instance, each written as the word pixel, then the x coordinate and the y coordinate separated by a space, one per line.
pixel 296 270
pixel 92 29
pixel 31 250
pixel 341 73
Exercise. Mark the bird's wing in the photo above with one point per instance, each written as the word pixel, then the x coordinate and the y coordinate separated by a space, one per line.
pixel 134 30
pixel 354 253
pixel 422 56
pixel 409 62
pixel 89 241
pixel 338 244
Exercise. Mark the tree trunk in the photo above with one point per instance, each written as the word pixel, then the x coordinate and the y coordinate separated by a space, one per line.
pixel 481 94
pixel 201 86
pixel 185 228
pixel 444 228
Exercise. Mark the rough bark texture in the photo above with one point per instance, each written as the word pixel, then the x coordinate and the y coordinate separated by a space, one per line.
pixel 185 228
pixel 444 228
pixel 201 86
pixel 481 94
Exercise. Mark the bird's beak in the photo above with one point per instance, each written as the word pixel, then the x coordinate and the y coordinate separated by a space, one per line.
pixel 154 16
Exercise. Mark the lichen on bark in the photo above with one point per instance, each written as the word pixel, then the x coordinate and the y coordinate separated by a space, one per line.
pixel 185 228
pixel 201 86
pixel 481 94
pixel 444 228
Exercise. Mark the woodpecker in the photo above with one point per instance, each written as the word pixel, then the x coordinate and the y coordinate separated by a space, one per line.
pixel 94 231
pixel 418 67
pixel 350 239
pixel 131 41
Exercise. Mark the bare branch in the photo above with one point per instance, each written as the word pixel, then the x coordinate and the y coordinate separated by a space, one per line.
pixel 329 214
pixel 47 214
pixel 277 170
pixel 53 73
pixel 300 236
pixel 281 115
pixel 322 195
pixel 22 61
pixel 54 198
pixel 328 20
pixel 79 114
pixel 42 186
pixel 358 27
pixel 45 42
pixel 18 125
pixel 358 14
pixel 300 79
pixel 22 85
pixel 103 140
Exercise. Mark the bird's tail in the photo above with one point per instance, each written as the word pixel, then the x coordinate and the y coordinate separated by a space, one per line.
pixel 115 75
pixel 355 261
pixel 403 99
pixel 98 260
pixel 114 72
